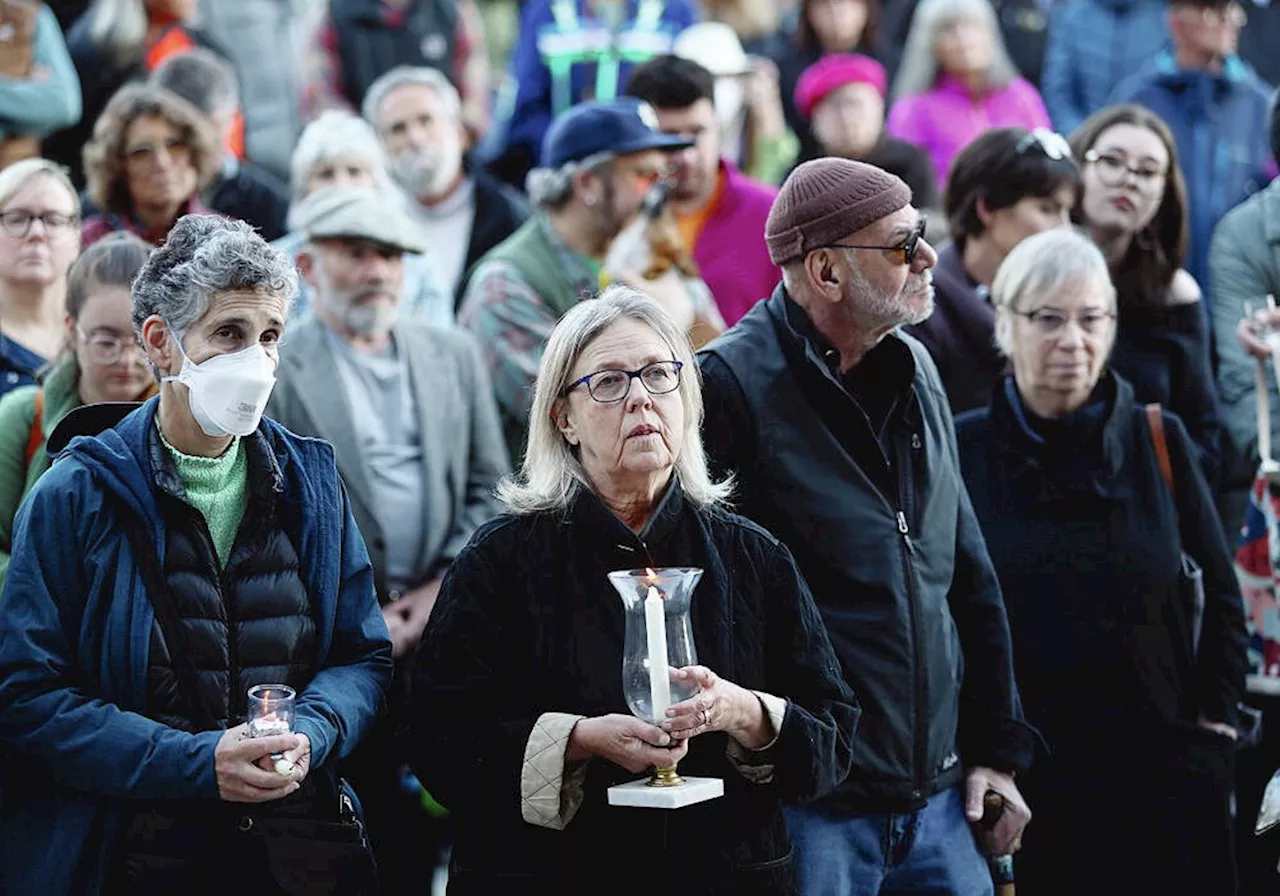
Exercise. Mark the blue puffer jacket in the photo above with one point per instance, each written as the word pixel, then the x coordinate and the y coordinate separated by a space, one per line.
pixel 1219 122
pixel 1094 45
pixel 75 627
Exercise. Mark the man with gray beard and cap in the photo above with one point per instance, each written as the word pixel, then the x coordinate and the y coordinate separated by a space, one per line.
pixel 839 433
pixel 410 412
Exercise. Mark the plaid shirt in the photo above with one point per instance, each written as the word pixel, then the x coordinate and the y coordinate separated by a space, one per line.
pixel 512 323
pixel 322 65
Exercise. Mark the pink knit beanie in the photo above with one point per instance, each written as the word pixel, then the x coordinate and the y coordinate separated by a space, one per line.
pixel 832 72
pixel 825 200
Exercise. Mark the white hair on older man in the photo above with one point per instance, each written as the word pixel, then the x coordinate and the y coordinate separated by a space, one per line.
pixel 1039 268
pixel 403 75
pixel 552 473
pixel 918 71
pixel 330 135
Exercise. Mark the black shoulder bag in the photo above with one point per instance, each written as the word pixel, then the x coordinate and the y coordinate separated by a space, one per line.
pixel 307 855
pixel 1191 577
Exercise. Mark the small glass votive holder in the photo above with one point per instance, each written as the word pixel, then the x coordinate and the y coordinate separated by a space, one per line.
pixel 271 708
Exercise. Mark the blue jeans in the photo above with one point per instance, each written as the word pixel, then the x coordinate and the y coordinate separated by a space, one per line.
pixel 927 851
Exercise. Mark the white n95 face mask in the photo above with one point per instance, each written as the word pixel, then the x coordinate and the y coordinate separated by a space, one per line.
pixel 228 393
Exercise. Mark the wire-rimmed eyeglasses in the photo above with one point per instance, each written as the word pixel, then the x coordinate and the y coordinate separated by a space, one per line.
pixel 105 347
pixel 659 378
pixel 1052 322
pixel 1113 169
pixel 1051 143
pixel 907 249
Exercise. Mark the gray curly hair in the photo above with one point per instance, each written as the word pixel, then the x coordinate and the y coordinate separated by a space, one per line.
pixel 203 256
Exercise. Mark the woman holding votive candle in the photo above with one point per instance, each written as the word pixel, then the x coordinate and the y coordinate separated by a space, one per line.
pixel 520 722
pixel 160 570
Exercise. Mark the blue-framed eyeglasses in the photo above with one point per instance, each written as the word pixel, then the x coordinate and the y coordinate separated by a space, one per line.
pixel 659 378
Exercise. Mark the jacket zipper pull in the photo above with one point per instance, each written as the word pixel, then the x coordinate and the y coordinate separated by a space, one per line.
pixel 905 532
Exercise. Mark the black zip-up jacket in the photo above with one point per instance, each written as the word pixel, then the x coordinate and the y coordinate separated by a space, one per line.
pixel 885 535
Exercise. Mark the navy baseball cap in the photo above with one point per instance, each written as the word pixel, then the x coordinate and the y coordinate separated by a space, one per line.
pixel 619 126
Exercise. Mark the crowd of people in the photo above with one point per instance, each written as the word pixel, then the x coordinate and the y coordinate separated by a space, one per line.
pixel 348 346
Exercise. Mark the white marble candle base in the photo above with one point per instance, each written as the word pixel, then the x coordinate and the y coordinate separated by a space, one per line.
pixel 639 794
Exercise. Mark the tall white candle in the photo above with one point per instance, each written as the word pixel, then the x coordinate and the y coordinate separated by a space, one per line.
pixel 655 623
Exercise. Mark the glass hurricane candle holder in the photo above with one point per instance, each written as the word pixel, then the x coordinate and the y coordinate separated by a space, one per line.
pixel 658 640
pixel 271 712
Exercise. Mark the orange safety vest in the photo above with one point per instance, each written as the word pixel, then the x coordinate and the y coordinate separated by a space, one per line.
pixel 172 40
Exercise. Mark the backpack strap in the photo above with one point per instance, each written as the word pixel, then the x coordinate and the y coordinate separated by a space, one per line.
pixel 1155 420
pixel 36 438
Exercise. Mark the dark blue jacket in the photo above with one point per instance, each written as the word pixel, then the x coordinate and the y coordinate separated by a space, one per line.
pixel 1219 122
pixel 1094 45
pixel 75 628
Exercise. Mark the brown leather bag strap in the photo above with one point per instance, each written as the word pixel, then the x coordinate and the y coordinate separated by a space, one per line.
pixel 1155 420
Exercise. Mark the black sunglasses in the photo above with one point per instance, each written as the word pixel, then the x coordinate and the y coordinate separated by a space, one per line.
pixel 909 247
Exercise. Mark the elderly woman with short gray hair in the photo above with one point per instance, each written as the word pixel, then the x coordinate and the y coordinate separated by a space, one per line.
pixel 1089 504
pixel 521 723
pixel 338 149
pixel 213 551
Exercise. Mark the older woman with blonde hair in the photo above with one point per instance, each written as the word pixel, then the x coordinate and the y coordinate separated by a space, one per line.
pixel 956 80
pixel 151 154
pixel 39 239
pixel 521 721
pixel 341 149
pixel 1093 508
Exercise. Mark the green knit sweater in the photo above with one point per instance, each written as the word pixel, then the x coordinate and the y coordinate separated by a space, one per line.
pixel 218 487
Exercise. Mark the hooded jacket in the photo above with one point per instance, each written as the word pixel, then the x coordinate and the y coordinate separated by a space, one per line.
pixel 75 637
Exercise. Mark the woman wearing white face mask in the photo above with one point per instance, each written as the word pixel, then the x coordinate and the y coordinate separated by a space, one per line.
pixel 213 551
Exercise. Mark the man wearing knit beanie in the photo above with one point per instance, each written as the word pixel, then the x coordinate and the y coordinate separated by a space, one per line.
pixel 839 432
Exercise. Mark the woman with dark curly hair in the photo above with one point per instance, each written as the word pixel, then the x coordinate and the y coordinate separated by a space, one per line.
pixel 150 156
pixel 1134 205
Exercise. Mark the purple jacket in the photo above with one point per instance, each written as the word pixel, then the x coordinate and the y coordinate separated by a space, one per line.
pixel 730 250
pixel 944 120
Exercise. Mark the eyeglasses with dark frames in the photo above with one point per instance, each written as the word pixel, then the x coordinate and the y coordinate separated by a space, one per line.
pixel 16 222
pixel 607 386
pixel 907 248
pixel 1051 143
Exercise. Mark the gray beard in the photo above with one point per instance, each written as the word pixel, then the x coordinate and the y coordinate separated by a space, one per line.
pixel 415 174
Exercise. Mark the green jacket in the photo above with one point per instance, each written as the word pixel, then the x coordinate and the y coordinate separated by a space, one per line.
pixel 17 414
pixel 1244 268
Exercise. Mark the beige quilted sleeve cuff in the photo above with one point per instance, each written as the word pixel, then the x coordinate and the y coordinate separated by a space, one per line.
pixel 754 765
pixel 550 793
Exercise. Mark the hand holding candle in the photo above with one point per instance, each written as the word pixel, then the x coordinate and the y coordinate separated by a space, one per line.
pixel 271 708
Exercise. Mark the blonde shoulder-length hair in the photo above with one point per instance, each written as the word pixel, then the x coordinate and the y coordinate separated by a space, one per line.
pixel 918 71
pixel 552 473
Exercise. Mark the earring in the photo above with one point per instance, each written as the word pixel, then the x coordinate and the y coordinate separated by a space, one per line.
pixel 1145 239
pixel 588 200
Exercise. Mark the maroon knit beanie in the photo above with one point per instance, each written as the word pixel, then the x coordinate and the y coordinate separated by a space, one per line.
pixel 825 200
